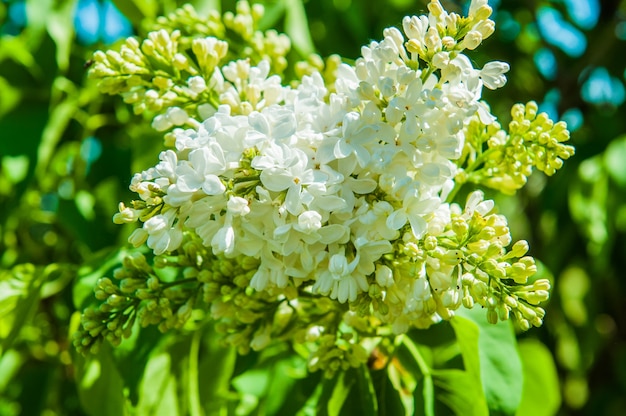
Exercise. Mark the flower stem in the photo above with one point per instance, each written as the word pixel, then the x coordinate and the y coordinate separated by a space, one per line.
pixel 482 156
pixel 195 408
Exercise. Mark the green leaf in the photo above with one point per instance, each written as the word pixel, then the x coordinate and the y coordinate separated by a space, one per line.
pixel 132 357
pixel 10 363
pixel 541 395
pixel 60 118
pixel 284 375
pixel 467 334
pixel 59 23
pixel 390 401
pixel 252 382
pixel 137 10
pixel 500 364
pixel 19 296
pixel 10 98
pixel 17 49
pixel 100 386
pixel 297 27
pixel 425 368
pixel 15 168
pixel 26 122
pixel 158 389
pixel 403 374
pixel 335 391
pixel 219 361
pixel 362 397
pixel 273 13
pixel 301 396
pixel 203 7
pixel 458 390
pixel 614 158
pixel 36 13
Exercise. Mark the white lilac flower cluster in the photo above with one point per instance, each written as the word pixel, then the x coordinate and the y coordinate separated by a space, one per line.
pixel 318 186
pixel 327 205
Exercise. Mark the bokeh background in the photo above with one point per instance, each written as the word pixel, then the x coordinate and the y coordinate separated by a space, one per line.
pixel 67 154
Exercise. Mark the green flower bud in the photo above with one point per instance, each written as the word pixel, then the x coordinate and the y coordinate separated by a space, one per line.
pixel 430 243
pixel 116 301
pixel 492 316
pixel 541 284
pixel 519 249
pixel 503 312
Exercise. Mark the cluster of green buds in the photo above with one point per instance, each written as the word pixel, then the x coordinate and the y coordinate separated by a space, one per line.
pixel 466 260
pixel 138 293
pixel 503 161
pixel 239 29
pixel 490 275
pixel 181 290
pixel 452 34
pixel 188 65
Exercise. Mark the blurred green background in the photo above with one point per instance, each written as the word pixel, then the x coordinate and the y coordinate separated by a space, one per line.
pixel 67 154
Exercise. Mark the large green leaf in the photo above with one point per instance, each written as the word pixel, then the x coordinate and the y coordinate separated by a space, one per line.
pixel 614 158
pixel 19 296
pixel 362 398
pixel 297 27
pixel 158 391
pixel 59 119
pixel 300 397
pixel 36 14
pixel 461 390
pixel 137 10
pixel 59 23
pixel 278 384
pixel 218 361
pixel 458 390
pixel 390 402
pixel 100 386
pixel 498 358
pixel 467 334
pixel 284 376
pixel 424 392
pixel 10 363
pixel 541 395
pixel 203 7
pixel 10 98
pixel 335 391
pixel 133 357
pixel 21 131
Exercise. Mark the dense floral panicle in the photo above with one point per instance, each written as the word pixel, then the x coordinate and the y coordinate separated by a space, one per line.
pixel 315 166
pixel 319 210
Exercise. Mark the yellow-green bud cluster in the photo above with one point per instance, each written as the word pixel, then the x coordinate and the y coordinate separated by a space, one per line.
pixel 247 319
pixel 240 29
pixel 171 73
pixel 136 295
pixel 494 278
pixel 452 33
pixel 336 353
pixel 468 262
pixel 502 160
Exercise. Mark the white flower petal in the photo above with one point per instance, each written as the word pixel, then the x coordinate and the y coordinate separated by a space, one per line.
pixel 276 179
pixel 396 220
pixel 213 185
